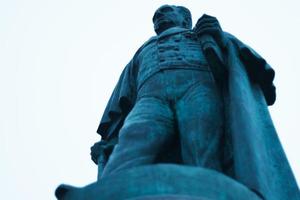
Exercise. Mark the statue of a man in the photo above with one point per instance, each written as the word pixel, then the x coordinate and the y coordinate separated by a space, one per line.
pixel 195 97
pixel 176 94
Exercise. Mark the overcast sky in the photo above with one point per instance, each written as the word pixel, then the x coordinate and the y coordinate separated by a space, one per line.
pixel 60 60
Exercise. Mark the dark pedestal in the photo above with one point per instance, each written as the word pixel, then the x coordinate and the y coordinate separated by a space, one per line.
pixel 161 182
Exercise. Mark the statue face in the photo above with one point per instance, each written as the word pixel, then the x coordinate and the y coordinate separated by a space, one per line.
pixel 168 16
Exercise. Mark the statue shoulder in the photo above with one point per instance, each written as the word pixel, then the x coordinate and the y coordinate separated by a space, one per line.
pixel 148 42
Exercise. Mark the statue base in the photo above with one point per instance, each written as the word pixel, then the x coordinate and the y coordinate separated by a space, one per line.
pixel 160 182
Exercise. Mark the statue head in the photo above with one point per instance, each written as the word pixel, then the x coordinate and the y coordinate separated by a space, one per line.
pixel 168 16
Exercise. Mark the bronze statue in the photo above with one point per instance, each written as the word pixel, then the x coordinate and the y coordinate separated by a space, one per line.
pixel 196 97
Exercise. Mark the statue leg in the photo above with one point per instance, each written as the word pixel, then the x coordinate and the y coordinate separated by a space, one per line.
pixel 200 124
pixel 147 130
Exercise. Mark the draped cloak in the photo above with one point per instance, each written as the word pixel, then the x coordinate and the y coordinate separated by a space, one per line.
pixel 258 159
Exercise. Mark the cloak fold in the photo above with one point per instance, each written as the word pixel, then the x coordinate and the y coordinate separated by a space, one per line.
pixel 258 157
pixel 119 104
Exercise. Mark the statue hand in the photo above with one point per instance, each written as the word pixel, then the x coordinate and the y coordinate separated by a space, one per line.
pixel 97 150
pixel 211 26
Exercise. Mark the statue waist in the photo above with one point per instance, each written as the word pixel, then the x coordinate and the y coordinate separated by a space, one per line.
pixel 143 76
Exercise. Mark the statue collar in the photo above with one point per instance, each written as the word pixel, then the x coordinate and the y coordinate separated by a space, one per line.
pixel 171 31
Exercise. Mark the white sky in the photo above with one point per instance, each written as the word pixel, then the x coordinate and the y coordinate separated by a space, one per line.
pixel 60 60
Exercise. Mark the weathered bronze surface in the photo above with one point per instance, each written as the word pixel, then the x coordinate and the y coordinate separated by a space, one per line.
pixel 191 97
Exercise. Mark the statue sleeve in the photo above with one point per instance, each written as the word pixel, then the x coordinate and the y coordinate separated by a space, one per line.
pixel 257 68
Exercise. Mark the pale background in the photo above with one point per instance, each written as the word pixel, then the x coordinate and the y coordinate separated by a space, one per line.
pixel 60 60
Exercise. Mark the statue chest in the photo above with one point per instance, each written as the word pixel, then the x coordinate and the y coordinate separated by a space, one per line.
pixel 177 51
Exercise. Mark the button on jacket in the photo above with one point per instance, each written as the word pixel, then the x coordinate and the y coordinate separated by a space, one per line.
pixel 176 48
